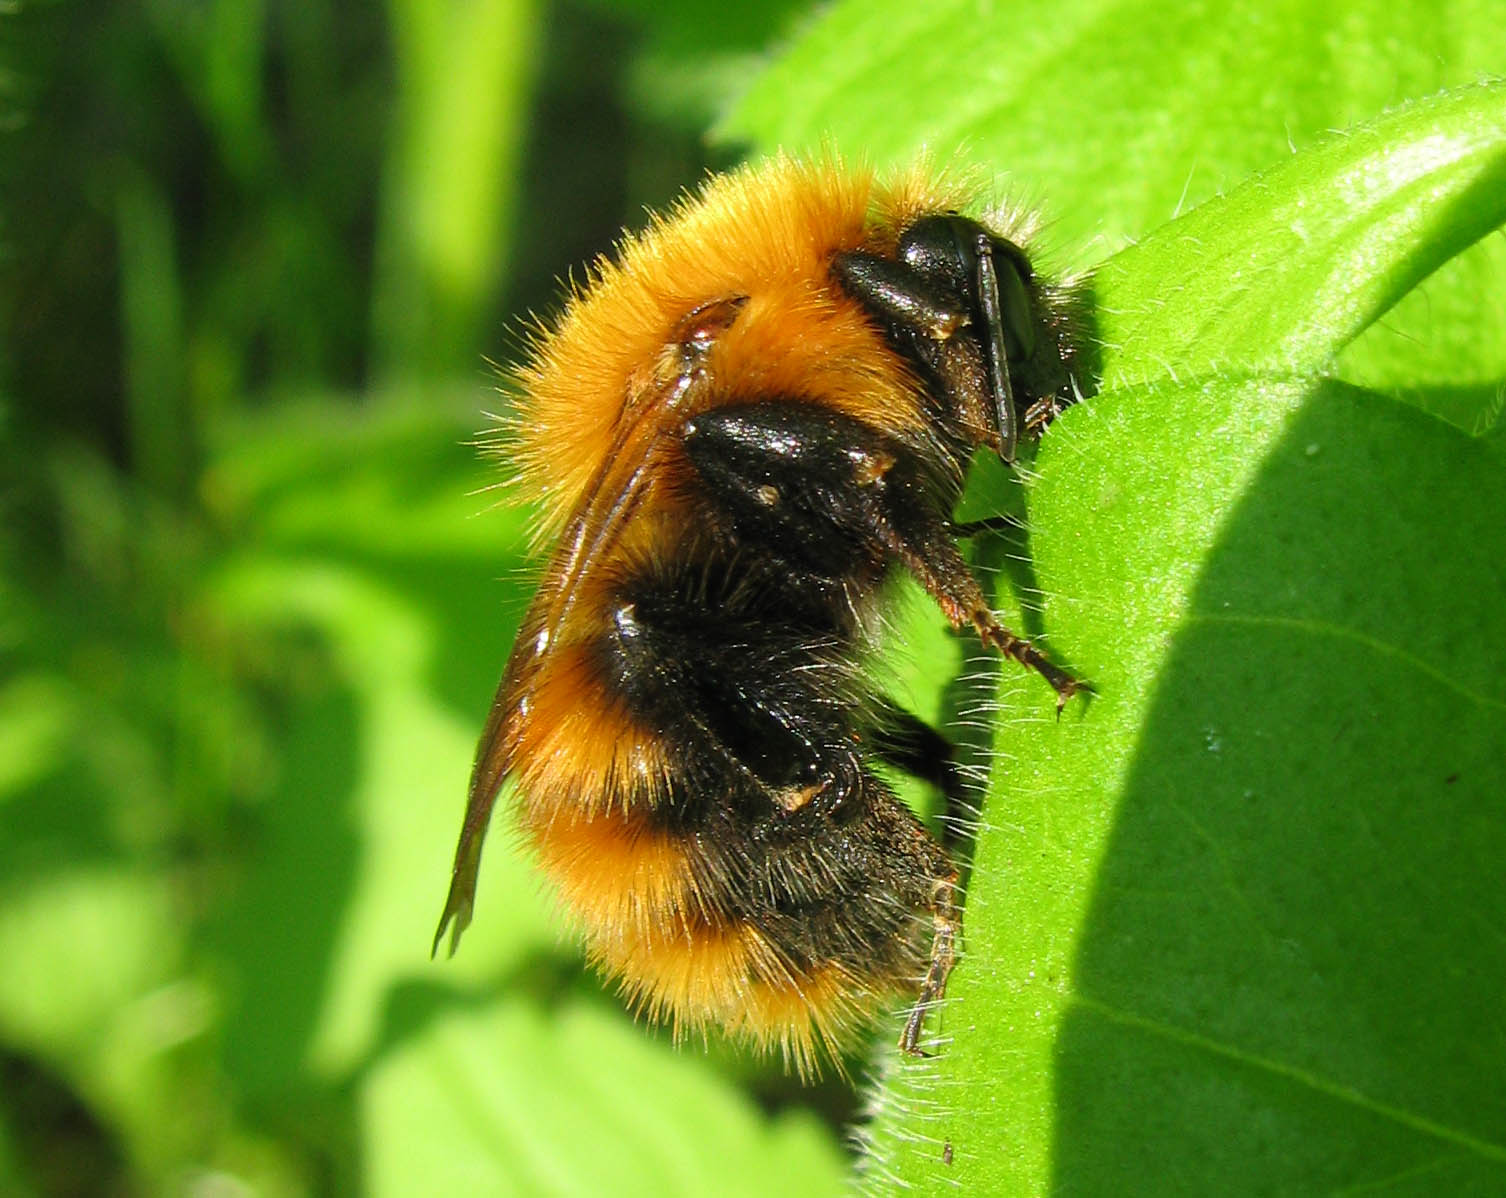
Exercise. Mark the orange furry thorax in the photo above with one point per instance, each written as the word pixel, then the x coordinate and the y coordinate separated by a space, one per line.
pixel 768 234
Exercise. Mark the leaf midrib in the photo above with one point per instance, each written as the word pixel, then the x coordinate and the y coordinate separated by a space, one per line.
pixel 1484 1149
pixel 1341 632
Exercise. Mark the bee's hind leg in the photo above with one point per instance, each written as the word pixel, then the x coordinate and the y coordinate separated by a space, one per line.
pixel 948 924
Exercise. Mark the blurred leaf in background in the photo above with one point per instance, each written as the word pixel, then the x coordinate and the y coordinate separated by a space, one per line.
pixel 1237 919
pixel 257 590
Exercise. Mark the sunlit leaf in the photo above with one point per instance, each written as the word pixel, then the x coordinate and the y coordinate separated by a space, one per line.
pixel 516 1098
pixel 1218 912
pixel 1113 116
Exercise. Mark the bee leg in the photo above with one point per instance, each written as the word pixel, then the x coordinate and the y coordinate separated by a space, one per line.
pixel 947 920
pixel 974 528
pixel 828 494
pixel 926 545
pixel 908 743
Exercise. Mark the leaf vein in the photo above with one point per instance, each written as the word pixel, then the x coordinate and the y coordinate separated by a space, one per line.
pixel 1314 628
pixel 1313 1081
pixel 1411 1174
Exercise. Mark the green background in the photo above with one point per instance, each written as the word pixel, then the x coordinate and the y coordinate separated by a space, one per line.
pixel 1236 923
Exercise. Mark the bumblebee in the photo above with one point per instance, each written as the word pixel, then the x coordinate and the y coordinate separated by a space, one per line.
pixel 739 430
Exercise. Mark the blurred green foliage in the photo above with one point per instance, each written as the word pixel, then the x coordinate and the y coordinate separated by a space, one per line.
pixel 255 597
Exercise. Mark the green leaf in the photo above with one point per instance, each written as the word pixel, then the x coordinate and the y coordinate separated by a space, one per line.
pixel 1114 116
pixel 1241 917
pixel 79 945
pixel 1083 105
pixel 36 715
pixel 91 986
pixel 464 73
pixel 523 1097
pixel 1284 271
pixel 366 543
pixel 1235 923
pixel 1443 347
